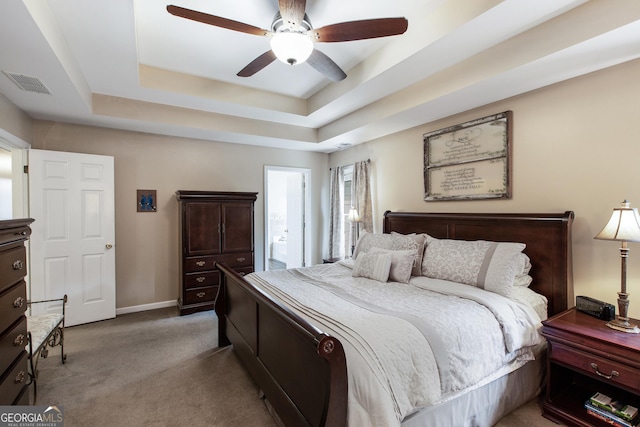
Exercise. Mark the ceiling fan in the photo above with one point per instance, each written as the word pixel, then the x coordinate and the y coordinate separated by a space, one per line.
pixel 293 37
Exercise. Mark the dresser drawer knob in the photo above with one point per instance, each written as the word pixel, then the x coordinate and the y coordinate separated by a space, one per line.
pixel 19 340
pixel 201 294
pixel 200 263
pixel 611 375
pixel 241 259
pixel 200 279
pixel 18 264
pixel 19 302
pixel 20 377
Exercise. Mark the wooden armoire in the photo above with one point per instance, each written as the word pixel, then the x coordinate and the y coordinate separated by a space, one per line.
pixel 214 226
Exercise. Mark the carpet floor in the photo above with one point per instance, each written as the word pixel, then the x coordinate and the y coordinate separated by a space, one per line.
pixel 156 368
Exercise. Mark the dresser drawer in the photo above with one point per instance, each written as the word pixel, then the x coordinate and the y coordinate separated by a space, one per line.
pixel 13 303
pixel 13 266
pixel 240 259
pixel 199 280
pixel 599 367
pixel 13 341
pixel 200 295
pixel 14 380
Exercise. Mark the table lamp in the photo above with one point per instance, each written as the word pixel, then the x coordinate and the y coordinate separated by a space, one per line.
pixel 354 219
pixel 623 226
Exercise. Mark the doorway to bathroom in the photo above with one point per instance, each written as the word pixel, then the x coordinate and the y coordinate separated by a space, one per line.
pixel 286 201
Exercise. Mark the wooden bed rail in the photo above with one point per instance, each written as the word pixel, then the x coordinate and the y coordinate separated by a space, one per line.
pixel 279 348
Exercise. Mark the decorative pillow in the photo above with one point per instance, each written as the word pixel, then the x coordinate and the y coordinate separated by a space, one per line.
pixel 393 242
pixel 421 240
pixel 488 265
pixel 372 266
pixel 401 263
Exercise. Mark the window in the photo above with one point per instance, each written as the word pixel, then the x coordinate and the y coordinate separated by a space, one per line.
pixel 348 204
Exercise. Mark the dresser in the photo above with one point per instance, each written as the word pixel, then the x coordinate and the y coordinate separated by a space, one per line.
pixel 585 357
pixel 13 304
pixel 215 226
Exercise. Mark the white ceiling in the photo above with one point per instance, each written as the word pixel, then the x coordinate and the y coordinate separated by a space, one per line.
pixel 131 65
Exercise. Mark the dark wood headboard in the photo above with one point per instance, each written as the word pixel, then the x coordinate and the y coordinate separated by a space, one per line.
pixel 547 236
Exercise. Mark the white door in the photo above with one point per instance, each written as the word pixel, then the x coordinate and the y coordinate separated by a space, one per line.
pixel 71 199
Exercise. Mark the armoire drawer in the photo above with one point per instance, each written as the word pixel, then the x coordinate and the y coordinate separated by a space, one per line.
pixel 200 263
pixel 13 342
pixel 244 270
pixel 199 280
pixel 200 295
pixel 236 260
pixel 13 303
pixel 13 266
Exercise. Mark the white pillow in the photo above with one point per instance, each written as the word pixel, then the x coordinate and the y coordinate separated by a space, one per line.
pixel 393 242
pixel 401 263
pixel 488 265
pixel 533 299
pixel 525 264
pixel 372 266
pixel 522 281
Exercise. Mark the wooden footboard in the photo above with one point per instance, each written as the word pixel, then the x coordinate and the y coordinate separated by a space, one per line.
pixel 301 370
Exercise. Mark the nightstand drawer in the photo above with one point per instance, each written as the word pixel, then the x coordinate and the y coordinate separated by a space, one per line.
pixel 601 368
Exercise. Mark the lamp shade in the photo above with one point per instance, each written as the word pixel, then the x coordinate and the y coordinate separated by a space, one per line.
pixel 291 47
pixel 353 215
pixel 624 225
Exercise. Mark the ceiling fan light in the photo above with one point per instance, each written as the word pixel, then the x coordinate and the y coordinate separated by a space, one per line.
pixel 291 48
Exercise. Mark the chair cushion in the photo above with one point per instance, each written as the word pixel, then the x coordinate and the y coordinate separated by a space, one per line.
pixel 41 326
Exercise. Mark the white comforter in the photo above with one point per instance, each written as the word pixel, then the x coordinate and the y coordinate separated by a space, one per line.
pixel 407 345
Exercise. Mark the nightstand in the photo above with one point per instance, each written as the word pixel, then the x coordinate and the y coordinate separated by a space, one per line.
pixel 585 357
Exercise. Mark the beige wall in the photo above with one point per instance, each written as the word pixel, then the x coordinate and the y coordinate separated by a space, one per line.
pixel 575 147
pixel 147 243
pixel 15 126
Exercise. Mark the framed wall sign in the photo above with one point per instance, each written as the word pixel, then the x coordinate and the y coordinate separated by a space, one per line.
pixel 469 161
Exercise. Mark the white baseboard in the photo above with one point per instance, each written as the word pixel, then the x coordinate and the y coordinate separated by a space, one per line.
pixel 145 307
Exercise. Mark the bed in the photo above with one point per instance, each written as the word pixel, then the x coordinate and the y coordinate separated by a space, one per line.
pixel 301 364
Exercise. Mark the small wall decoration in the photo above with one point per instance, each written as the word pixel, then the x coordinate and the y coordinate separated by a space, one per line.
pixel 146 200
pixel 469 161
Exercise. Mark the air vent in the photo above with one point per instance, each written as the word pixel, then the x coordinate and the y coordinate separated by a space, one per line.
pixel 28 83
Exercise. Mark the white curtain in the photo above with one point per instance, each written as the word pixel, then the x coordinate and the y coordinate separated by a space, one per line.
pixel 336 212
pixel 361 197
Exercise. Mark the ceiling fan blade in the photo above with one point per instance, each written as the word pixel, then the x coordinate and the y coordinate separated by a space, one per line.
pixel 360 30
pixel 217 21
pixel 292 12
pixel 257 64
pixel 326 66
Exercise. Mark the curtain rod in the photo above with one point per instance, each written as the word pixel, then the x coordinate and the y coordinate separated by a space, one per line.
pixel 368 161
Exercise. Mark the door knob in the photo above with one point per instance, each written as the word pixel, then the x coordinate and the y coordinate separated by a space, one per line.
pixel 108 245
